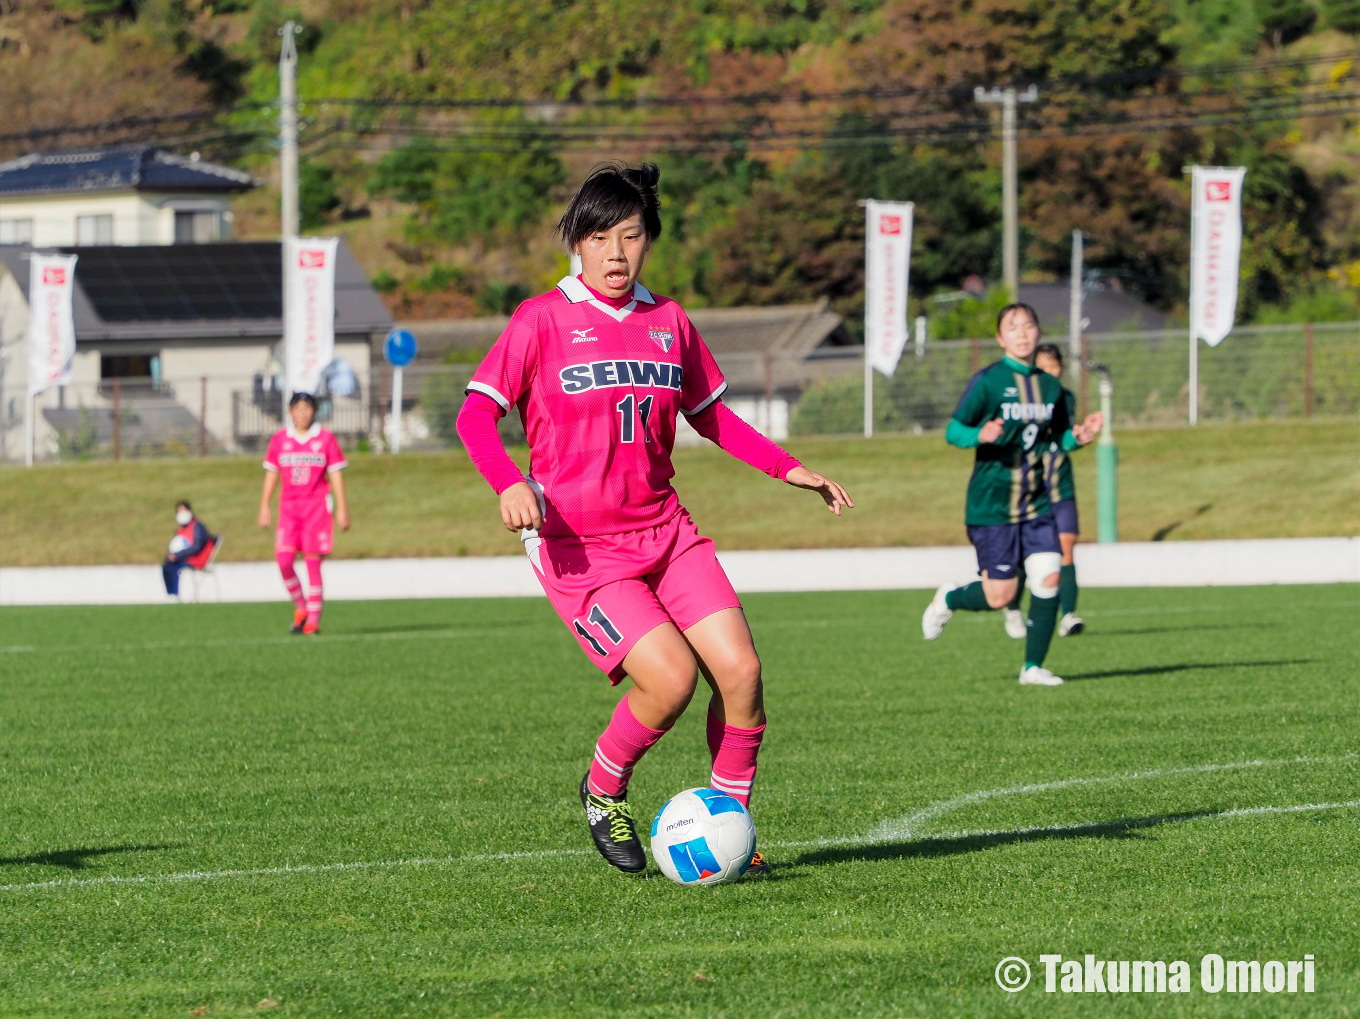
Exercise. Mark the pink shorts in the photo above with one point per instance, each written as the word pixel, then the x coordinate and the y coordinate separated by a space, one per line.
pixel 612 589
pixel 304 526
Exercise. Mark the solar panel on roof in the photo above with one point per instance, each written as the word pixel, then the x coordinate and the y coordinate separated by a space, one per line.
pixel 182 282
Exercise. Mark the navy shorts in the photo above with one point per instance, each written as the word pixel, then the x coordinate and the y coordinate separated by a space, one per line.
pixel 1002 548
pixel 1065 513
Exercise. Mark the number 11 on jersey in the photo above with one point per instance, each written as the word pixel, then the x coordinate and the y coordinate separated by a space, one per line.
pixel 625 409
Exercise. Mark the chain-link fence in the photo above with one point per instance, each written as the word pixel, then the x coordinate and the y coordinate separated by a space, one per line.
pixel 1257 372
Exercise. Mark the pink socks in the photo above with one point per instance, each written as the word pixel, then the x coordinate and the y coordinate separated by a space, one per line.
pixel 620 746
pixel 313 590
pixel 290 578
pixel 734 758
pixel 626 739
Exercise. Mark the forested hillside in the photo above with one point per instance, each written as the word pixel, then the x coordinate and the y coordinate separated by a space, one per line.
pixel 442 137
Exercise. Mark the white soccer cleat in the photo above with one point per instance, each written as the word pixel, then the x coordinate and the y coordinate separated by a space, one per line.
pixel 1070 625
pixel 1037 675
pixel 937 613
pixel 1015 624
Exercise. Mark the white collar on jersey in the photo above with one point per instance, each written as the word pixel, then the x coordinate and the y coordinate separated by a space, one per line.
pixel 578 293
pixel 311 433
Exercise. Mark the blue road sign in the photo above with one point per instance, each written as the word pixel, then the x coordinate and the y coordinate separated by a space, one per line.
pixel 399 348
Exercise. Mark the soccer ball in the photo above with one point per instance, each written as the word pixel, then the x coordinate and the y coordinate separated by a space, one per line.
pixel 178 544
pixel 703 837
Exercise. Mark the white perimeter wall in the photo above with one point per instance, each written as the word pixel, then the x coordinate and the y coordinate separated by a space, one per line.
pixel 1133 564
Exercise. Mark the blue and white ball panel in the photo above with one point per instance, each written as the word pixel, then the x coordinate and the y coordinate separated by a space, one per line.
pixel 703 837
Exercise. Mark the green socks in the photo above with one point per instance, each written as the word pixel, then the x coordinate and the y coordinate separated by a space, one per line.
pixel 1043 617
pixel 1067 588
pixel 969 598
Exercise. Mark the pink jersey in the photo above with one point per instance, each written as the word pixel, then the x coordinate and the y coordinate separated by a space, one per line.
pixel 304 462
pixel 598 389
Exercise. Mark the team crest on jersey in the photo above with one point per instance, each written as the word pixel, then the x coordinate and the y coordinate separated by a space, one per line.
pixel 664 338
pixel 316 446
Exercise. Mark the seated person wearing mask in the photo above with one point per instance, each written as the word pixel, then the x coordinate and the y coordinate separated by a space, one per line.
pixel 192 547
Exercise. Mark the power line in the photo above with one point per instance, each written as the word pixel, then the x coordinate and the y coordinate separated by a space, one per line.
pixel 960 90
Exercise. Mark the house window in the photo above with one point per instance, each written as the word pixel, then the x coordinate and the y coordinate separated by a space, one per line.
pixel 196 226
pixel 94 230
pixel 16 231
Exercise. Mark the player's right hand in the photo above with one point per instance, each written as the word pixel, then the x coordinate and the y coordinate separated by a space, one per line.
pixel 520 509
pixel 263 519
pixel 991 431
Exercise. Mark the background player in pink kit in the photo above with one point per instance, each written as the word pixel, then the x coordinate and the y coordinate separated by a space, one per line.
pixel 308 459
pixel 599 368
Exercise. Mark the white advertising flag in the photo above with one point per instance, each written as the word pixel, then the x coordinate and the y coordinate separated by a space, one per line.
pixel 887 251
pixel 309 331
pixel 51 325
pixel 1216 229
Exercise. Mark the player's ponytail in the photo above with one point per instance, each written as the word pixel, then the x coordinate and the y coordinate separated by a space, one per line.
pixel 612 193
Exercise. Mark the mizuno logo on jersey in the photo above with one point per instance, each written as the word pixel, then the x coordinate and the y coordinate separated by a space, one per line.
pixel 583 336
pixel 581 378
pixel 1010 391
pixel 1026 411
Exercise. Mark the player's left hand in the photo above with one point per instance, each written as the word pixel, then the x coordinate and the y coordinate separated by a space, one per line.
pixel 832 494
pixel 1090 428
pixel 342 518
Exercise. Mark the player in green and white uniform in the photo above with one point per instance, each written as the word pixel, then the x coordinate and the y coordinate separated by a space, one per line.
pixel 1062 493
pixel 1010 413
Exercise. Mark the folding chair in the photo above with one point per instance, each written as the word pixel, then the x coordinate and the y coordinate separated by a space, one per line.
pixel 209 569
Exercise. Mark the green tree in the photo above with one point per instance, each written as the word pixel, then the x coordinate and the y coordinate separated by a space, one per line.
pixel 316 194
pixel 1343 15
pixel 1284 21
pixel 464 195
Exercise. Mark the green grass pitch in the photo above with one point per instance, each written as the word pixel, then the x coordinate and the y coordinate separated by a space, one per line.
pixel 201 813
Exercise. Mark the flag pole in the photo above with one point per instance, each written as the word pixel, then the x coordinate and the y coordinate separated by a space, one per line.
pixel 868 320
pixel 1193 412
pixel 29 439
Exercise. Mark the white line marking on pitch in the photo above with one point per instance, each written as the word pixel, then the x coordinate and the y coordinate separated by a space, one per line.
pixel 1057 829
pixel 886 832
pixel 905 827
pixel 291 639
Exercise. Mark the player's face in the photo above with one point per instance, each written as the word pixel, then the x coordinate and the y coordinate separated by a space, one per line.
pixel 1018 335
pixel 611 260
pixel 302 414
pixel 1049 364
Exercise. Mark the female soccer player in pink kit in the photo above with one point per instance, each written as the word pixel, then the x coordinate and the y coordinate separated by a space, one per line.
pixel 308 459
pixel 599 368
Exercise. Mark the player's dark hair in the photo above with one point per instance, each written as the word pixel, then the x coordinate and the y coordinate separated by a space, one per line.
pixel 1017 306
pixel 185 504
pixel 612 193
pixel 306 398
pixel 1050 350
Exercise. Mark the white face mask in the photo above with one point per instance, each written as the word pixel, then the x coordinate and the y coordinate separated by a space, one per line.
pixel 182 517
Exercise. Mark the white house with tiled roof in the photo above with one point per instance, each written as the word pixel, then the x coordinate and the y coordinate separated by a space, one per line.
pixel 129 195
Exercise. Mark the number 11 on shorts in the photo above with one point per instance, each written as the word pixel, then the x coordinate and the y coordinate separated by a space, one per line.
pixel 598 618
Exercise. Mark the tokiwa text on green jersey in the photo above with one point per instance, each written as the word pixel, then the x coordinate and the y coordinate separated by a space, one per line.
pixel 1058 463
pixel 1007 485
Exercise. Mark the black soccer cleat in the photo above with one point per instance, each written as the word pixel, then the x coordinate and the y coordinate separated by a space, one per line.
pixel 611 826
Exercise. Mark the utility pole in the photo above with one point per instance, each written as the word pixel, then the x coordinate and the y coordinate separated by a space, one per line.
pixel 1075 321
pixel 1010 235
pixel 288 178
